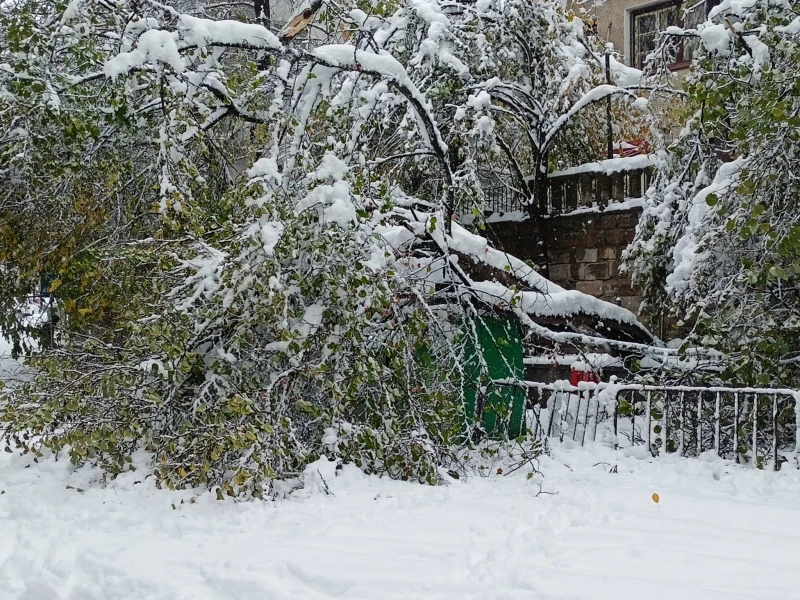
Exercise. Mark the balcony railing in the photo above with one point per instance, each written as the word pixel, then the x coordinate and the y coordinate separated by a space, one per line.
pixel 502 199
pixel 566 193
pixel 595 185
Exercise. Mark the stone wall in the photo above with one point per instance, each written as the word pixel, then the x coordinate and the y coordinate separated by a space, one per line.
pixel 584 251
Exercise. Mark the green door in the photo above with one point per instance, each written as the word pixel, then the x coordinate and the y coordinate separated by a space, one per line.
pixel 498 355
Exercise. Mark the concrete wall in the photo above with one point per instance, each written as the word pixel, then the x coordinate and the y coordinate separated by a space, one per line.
pixel 611 17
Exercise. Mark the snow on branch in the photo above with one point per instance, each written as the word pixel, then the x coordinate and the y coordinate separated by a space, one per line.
pixel 792 28
pixel 154 46
pixel 521 289
pixel 623 75
pixel 162 46
pixel 207 32
pixel 688 251
pixel 594 95
pixel 387 66
pixel 384 65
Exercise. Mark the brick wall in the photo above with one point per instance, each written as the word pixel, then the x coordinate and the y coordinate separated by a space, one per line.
pixel 584 251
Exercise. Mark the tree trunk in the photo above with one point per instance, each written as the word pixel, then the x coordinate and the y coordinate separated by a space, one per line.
pixel 262 10
pixel 537 187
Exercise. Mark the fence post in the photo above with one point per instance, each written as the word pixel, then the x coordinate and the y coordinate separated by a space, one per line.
pixel 649 421
pixel 596 416
pixel 716 426
pixel 699 424
pixel 577 416
pixel 586 418
pixel 562 423
pixel 755 429
pixel 736 427
pixel 664 425
pixel 775 465
pixel 538 428
pixel 795 396
pixel 681 418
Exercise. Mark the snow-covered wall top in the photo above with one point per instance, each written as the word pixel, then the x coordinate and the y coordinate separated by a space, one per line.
pixel 611 165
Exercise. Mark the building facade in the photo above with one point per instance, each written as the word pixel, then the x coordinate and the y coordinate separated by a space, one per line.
pixel 634 26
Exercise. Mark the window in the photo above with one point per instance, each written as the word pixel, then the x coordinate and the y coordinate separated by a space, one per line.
pixel 693 16
pixel 648 23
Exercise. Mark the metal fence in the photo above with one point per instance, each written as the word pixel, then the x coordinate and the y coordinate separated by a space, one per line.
pixel 503 199
pixel 566 193
pixel 756 425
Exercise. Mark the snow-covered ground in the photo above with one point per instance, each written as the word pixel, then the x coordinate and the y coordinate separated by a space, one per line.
pixel 32 313
pixel 719 531
pixel 10 369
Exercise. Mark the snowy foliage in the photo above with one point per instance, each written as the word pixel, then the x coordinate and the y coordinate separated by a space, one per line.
pixel 250 238
pixel 719 239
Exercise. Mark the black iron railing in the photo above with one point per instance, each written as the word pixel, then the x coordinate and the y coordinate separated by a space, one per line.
pixel 759 425
pixel 567 193
pixel 502 199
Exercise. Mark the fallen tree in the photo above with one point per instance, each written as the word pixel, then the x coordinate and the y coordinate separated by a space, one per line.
pixel 253 242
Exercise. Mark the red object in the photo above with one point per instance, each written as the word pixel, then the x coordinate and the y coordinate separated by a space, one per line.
pixel 578 376
pixel 632 147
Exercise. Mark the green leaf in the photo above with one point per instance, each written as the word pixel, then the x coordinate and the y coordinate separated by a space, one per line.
pixel 777 272
pixel 624 408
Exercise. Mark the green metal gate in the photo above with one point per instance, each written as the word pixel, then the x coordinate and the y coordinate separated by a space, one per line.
pixel 495 352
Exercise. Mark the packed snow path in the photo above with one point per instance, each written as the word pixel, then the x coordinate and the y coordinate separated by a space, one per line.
pixel 719 531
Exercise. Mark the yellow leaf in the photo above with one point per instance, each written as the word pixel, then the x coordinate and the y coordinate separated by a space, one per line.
pixel 84 311
pixel 55 285
pixel 656 498
pixel 182 472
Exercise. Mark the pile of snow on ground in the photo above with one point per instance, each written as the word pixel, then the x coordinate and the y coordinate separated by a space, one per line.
pixel 719 532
